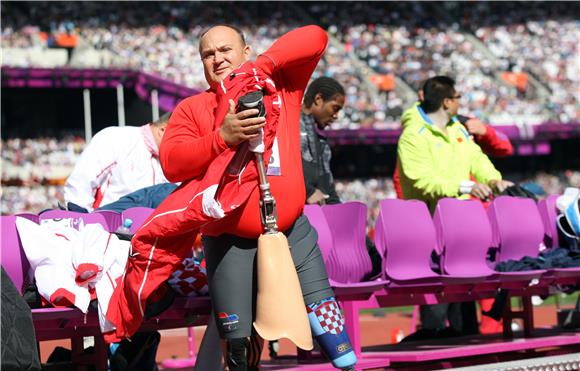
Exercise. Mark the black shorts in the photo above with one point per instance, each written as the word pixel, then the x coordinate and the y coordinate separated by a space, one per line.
pixel 231 269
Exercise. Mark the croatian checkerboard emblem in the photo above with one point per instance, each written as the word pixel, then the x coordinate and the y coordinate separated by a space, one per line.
pixel 328 315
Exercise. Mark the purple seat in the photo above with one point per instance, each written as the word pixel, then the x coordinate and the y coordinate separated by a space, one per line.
pixel 87 218
pixel 465 236
pixel 318 221
pixel 349 263
pixel 407 235
pixel 113 218
pixel 517 229
pixel 29 216
pixel 13 258
pixel 549 212
pixel 138 215
pixel 347 223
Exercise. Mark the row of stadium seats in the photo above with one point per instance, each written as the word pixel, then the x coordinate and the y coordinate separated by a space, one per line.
pixel 71 323
pixel 405 236
pixel 462 233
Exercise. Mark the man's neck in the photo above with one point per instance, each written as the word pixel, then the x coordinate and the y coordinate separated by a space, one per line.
pixel 439 118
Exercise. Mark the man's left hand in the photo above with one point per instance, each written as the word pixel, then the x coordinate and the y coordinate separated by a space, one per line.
pixel 475 127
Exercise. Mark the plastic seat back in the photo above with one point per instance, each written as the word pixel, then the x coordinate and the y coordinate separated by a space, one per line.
pixel 138 215
pixel 29 216
pixel 86 218
pixel 464 233
pixel 549 213
pixel 13 258
pixel 347 223
pixel 407 238
pixel 518 227
pixel 318 221
pixel 113 218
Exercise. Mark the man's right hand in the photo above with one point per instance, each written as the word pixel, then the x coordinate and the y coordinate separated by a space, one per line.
pixel 317 198
pixel 481 191
pixel 240 126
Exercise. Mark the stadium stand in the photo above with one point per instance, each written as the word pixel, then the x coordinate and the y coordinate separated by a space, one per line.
pixel 407 42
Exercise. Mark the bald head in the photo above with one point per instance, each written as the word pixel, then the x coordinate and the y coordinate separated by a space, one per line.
pixel 222 50
pixel 221 27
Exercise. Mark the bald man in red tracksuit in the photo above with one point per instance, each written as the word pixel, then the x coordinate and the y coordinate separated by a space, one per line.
pixel 192 141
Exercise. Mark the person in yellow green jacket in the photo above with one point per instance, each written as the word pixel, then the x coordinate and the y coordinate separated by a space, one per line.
pixel 436 154
pixel 436 159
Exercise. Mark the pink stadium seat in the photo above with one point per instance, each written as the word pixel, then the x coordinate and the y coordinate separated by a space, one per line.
pixel 88 218
pixel 517 229
pixel 13 258
pixel 138 215
pixel 549 212
pixel 347 223
pixel 318 221
pixel 465 236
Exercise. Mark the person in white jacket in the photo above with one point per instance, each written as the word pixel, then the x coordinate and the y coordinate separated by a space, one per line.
pixel 117 161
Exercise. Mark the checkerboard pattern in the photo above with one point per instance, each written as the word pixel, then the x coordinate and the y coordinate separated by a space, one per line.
pixel 189 279
pixel 328 314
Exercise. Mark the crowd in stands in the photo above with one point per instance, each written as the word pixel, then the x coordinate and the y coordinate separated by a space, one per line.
pixel 413 41
pixel 29 162
pixel 546 47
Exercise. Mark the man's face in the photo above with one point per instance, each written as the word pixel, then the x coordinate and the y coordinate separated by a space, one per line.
pixel 452 104
pixel 325 113
pixel 222 51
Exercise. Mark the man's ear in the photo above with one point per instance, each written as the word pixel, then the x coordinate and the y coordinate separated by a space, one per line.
pixel 318 100
pixel 247 52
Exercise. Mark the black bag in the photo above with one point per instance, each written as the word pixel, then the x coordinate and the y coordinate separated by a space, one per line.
pixel 518 191
pixel 19 348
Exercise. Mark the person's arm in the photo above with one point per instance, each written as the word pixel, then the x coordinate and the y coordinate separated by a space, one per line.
pixel 310 187
pixel 494 144
pixel 294 56
pixel 184 152
pixel 417 166
pixel 92 168
pixel 332 195
pixel 491 142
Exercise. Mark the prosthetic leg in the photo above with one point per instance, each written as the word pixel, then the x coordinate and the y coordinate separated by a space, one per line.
pixel 327 326
pixel 280 311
